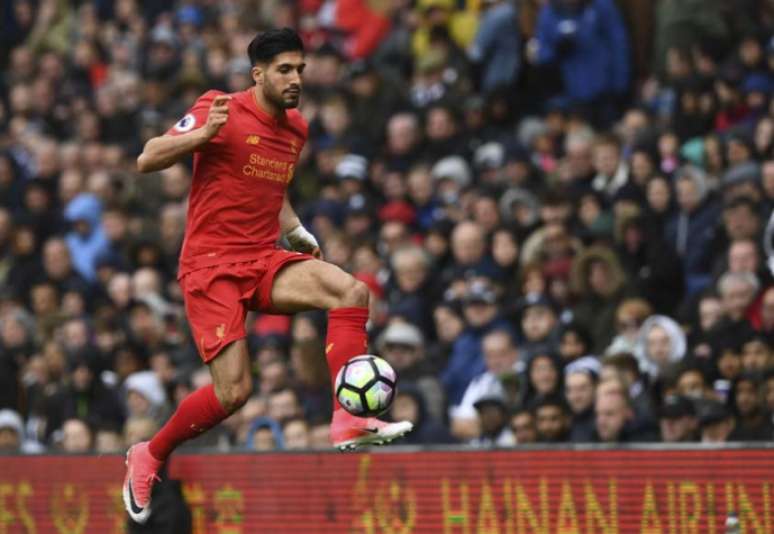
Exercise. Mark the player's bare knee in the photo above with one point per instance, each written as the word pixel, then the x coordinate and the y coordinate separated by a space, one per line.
pixel 355 296
pixel 234 395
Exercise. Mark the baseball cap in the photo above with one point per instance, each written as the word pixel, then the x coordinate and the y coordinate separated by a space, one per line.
pixel 11 419
pixel 352 166
pixel 742 173
pixel 587 364
pixel 677 406
pixel 147 384
pixel 479 293
pixel 711 412
pixel 491 400
pixel 453 168
pixel 489 156
pixel 402 334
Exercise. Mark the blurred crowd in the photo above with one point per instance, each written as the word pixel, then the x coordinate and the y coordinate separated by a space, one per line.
pixel 559 208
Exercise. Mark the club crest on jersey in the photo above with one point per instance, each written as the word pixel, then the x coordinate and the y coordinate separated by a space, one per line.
pixel 253 139
pixel 186 123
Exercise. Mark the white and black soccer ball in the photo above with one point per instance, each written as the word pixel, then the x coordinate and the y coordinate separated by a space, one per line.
pixel 365 385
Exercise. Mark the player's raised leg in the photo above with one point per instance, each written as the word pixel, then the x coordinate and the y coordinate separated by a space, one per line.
pixel 197 413
pixel 315 284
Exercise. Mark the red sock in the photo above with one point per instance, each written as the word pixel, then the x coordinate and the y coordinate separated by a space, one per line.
pixel 347 338
pixel 197 413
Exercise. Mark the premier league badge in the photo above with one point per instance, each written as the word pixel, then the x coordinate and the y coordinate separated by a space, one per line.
pixel 186 123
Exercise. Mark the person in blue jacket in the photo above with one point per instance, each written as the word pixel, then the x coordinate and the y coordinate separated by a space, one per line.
pixel 87 240
pixel 496 47
pixel 588 42
pixel 467 359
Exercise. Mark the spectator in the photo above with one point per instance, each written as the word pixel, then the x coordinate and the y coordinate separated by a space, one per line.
pixel 12 435
pixel 574 343
pixel 265 435
pixel 716 422
pixel 624 370
pixel 413 291
pixel 552 419
pixel 77 437
pixel 677 420
pixel 87 397
pixel 661 343
pixel 466 360
pixel 295 434
pixel 402 345
pixel 650 263
pixel 108 441
pixel 630 315
pixel 757 354
pixel 614 418
pixel 145 395
pixel 409 405
pixel 543 376
pixel 580 379
pixel 588 41
pixel 694 220
pixel 496 45
pixel 501 377
pixel 495 432
pixel 538 326
pixel 523 427
pixel 87 241
pixel 752 422
pixel 737 292
pixel 692 383
pixel 599 282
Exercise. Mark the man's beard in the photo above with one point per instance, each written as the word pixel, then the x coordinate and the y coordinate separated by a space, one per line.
pixel 280 100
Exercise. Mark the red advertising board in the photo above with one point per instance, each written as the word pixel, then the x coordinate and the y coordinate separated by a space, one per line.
pixel 500 492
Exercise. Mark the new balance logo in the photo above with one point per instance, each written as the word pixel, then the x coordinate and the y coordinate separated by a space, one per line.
pixel 253 139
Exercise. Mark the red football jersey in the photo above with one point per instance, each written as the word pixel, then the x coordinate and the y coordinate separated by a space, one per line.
pixel 239 180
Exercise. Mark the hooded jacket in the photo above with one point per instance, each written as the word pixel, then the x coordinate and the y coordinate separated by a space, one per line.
pixel 590 44
pixel 594 312
pixel 691 234
pixel 85 249
pixel 676 338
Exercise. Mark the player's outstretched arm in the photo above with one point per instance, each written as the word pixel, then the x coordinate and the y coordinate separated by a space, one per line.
pixel 166 150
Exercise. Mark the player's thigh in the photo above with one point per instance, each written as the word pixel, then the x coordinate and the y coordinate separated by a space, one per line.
pixel 315 284
pixel 231 374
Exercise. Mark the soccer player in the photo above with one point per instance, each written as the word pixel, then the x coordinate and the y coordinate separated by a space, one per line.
pixel 245 148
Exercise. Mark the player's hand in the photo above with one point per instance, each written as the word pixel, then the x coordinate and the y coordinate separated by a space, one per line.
pixel 217 116
pixel 302 240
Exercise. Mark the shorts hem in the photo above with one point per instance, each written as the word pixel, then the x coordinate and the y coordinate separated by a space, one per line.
pixel 266 303
pixel 223 344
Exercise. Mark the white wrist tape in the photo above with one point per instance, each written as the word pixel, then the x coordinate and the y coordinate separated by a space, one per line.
pixel 301 239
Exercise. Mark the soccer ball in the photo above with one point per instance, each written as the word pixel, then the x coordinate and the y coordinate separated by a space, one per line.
pixel 365 386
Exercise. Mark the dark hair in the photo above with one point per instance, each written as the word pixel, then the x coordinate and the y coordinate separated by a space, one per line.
pixel 550 400
pixel 267 45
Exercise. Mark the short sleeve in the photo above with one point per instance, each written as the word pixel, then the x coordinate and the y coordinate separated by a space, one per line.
pixel 196 116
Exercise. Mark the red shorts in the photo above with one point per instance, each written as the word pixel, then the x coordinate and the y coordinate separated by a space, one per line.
pixel 217 298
